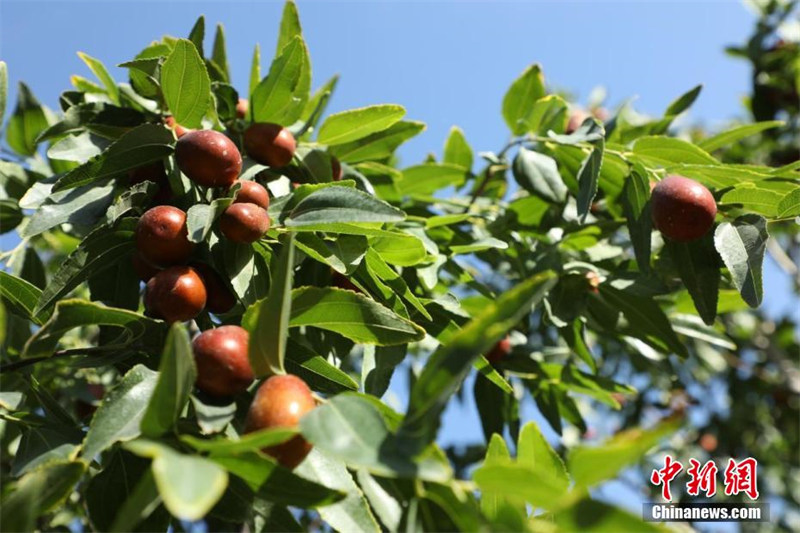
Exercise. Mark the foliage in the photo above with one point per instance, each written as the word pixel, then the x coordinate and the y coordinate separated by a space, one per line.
pixel 547 242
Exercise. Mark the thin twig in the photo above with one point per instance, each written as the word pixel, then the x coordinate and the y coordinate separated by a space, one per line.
pixel 22 363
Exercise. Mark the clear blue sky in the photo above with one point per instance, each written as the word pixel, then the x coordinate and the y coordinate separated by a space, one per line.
pixel 447 62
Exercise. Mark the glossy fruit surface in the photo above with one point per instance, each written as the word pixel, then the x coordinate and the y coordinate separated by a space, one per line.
pixel 269 144
pixel 175 294
pixel 280 402
pixel 223 367
pixel 244 223
pixel 161 236
pixel 208 158
pixel 683 210
pixel 252 193
pixel 219 298
pixel 499 351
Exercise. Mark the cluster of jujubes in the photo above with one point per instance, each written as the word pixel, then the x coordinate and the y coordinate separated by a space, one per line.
pixel 223 370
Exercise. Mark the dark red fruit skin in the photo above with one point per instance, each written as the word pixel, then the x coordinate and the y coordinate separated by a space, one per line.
pixel 143 269
pixel 208 158
pixel 244 223
pixel 252 193
pixel 269 144
pixel 175 294
pixel 219 298
pixel 683 210
pixel 223 367
pixel 161 236
pixel 280 402
pixel 336 169
pixel 499 351
pixel 152 172
pixel 242 107
pixel 343 282
pixel 179 130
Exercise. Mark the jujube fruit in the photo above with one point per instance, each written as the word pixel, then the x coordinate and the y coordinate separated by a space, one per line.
pixel 336 169
pixel 499 351
pixel 223 367
pixel 252 193
pixel 219 298
pixel 341 281
pixel 280 402
pixel 242 106
pixel 175 294
pixel 269 144
pixel 683 210
pixel 244 223
pixel 161 236
pixel 208 158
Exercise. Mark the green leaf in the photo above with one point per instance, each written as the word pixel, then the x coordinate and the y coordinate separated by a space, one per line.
pixel 590 516
pixel 45 444
pixel 71 314
pixel 355 124
pixel 456 150
pixel 341 205
pixel 21 296
pixel 588 175
pixel 351 429
pixel 99 251
pixel 353 513
pixel 249 442
pixel 789 206
pixel 591 465
pixel 198 34
pixel 185 84
pixel 3 90
pixel 176 376
pixel 38 492
pixel 536 453
pixel 519 101
pixel 645 319
pixel 377 367
pixel 665 151
pixel 275 483
pixel 142 502
pixel 316 370
pixel 449 365
pixel 343 255
pixel 218 53
pixel 738 133
pixel 137 147
pixel 763 198
pixel 281 95
pixel 99 69
pixel 538 174
pixel 513 481
pixel 698 265
pixel 290 26
pixel 269 336
pixel 189 485
pixel 119 416
pixel 636 204
pixel 548 113
pixel 378 145
pixel 741 245
pixel 81 207
pixel 27 122
pixel 200 218
pixel 255 72
pixel 683 102
pixel 351 315
pixel 398 249
pixel 428 178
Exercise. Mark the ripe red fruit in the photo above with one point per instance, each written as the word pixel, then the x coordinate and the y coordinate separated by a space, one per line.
pixel 175 294
pixel 208 158
pixel 162 237
pixel 179 130
pixel 244 223
pixel 343 282
pixel 280 402
pixel 252 193
pixel 143 269
pixel 683 210
pixel 269 144
pixel 219 298
pixel 499 351
pixel 336 169
pixel 223 367
pixel 242 106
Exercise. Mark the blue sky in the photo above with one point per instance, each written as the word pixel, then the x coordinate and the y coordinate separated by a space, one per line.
pixel 447 62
